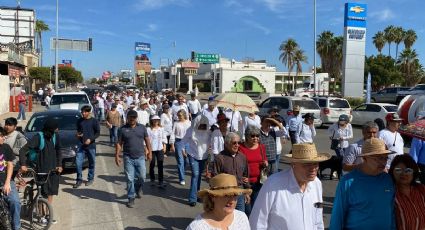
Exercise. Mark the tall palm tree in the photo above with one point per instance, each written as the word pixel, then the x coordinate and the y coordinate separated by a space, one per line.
pixel 408 63
pixel 389 37
pixel 379 41
pixel 299 58
pixel 409 38
pixel 287 56
pixel 329 49
pixel 398 38
pixel 40 27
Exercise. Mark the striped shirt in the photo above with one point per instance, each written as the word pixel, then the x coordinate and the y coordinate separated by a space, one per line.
pixel 410 210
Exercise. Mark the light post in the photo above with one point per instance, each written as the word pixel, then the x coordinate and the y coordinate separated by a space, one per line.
pixel 314 51
pixel 56 47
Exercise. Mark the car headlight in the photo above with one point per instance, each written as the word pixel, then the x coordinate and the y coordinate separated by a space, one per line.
pixel 67 152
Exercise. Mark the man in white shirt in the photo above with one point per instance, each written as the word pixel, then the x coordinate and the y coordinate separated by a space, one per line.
pixel 178 106
pixel 40 93
pixel 235 119
pixel 211 113
pixel 392 138
pixel 292 199
pixel 194 106
pixel 143 113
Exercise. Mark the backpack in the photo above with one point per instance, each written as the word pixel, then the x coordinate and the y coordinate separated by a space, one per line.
pixel 32 155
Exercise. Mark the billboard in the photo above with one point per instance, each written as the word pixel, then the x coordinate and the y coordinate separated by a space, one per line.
pixel 142 51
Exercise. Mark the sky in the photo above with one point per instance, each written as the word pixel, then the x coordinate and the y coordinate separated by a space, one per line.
pixel 235 29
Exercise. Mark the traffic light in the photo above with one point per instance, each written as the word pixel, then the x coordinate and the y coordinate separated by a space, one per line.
pixel 90 44
pixel 192 56
pixel 53 70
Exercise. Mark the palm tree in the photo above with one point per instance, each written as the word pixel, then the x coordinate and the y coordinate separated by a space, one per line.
pixel 389 37
pixel 287 55
pixel 379 41
pixel 409 38
pixel 398 38
pixel 408 63
pixel 40 27
pixel 299 58
pixel 329 49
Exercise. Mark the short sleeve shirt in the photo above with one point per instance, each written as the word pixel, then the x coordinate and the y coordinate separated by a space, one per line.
pixel 133 140
pixel 240 221
pixel 6 155
pixel 351 156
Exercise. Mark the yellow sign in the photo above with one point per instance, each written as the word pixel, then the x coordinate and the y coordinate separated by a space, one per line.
pixel 357 9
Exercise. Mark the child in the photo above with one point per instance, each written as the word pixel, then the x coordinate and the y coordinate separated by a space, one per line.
pixel 158 140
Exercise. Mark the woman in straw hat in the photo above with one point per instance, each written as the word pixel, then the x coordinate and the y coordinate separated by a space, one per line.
pixel 292 199
pixel 219 205
pixel 364 198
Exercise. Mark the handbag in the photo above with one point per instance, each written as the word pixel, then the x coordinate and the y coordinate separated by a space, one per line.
pixel 334 142
pixel 264 170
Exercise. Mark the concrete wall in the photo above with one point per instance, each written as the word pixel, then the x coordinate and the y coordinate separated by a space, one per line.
pixel 4 94
pixel 229 77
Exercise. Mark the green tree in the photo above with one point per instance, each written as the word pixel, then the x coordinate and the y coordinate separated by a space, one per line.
pixel 40 27
pixel 40 73
pixel 329 49
pixel 299 58
pixel 409 38
pixel 287 55
pixel 410 67
pixel 70 75
pixel 383 70
pixel 398 38
pixel 379 41
pixel 389 37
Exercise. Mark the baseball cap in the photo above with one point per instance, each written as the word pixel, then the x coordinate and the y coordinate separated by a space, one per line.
pixel 309 115
pixel 343 117
pixel 132 113
pixel 393 117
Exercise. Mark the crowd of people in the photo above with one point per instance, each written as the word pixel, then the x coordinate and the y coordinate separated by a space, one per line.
pixel 240 158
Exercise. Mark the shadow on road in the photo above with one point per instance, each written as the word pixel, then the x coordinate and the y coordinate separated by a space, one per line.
pixel 113 179
pixel 169 222
pixel 87 193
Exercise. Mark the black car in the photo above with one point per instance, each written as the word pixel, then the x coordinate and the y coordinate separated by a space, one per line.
pixel 67 120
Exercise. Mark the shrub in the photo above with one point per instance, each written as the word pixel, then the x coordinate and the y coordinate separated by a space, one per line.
pixel 355 101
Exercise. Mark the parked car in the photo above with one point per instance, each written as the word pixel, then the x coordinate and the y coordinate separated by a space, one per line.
pixel 68 142
pixel 418 89
pixel 286 103
pixel 331 108
pixel 387 95
pixel 371 111
pixel 114 88
pixel 69 100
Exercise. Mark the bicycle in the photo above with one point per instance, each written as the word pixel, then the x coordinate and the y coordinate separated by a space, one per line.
pixel 34 206
pixel 5 217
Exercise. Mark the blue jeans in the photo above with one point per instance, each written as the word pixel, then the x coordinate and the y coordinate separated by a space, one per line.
pixel 101 114
pixel 91 156
pixel 21 111
pixel 181 160
pixel 340 152
pixel 240 205
pixel 197 167
pixel 276 169
pixel 14 206
pixel 272 167
pixel 135 172
pixel 255 190
pixel 113 134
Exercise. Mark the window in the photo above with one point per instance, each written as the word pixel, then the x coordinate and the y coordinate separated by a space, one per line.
pixel 419 87
pixel 281 103
pixel 391 108
pixel 247 85
pixel 61 99
pixel 360 108
pixel 306 104
pixel 166 75
pixel 373 108
pixel 392 90
pixel 383 91
pixel 66 122
pixel 339 104
pixel 322 103
pixel 266 104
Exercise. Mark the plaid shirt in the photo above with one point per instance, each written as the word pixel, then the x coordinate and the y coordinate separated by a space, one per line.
pixel 269 140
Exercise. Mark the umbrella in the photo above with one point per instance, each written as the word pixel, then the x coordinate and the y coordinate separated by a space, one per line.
pixel 236 102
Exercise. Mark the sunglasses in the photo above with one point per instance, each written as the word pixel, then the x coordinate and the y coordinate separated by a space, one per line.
pixel 408 171
pixel 236 143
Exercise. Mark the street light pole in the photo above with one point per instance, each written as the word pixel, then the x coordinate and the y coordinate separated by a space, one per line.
pixel 314 51
pixel 56 47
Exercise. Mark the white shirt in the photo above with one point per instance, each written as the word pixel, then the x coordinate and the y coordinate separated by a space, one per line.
pixel 129 100
pixel 157 138
pixel 142 116
pixel 235 119
pixel 394 142
pixel 179 130
pixel 167 124
pixel 40 92
pixel 305 133
pixel 101 102
pixel 217 142
pixel 211 115
pixel 248 121
pixel 194 106
pixel 240 222
pixel 152 109
pixel 281 205
pixel 176 108
pixel 335 132
pixel 47 100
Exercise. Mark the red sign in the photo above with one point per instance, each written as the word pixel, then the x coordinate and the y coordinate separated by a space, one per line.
pixel 14 71
pixel 188 64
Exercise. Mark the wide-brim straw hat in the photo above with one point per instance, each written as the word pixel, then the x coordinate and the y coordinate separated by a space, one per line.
pixel 223 185
pixel 374 146
pixel 306 153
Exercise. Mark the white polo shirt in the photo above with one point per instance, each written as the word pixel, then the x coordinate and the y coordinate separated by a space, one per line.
pixel 394 142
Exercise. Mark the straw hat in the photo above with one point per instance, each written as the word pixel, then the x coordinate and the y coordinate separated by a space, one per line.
pixel 374 146
pixel 296 108
pixel 223 185
pixel 306 153
pixel 143 101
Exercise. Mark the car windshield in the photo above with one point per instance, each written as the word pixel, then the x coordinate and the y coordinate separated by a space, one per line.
pixel 339 104
pixel 419 87
pixel 306 104
pixel 71 98
pixel 391 108
pixel 66 122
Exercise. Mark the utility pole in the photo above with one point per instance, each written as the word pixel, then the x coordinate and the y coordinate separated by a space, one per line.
pixel 314 51
pixel 56 47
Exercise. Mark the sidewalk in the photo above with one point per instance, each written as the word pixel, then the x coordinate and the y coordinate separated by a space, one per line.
pixel 23 123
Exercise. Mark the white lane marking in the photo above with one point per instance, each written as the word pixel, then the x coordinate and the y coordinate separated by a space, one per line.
pixel 115 209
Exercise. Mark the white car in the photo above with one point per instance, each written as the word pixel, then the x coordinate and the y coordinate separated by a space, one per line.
pixel 69 100
pixel 332 108
pixel 371 111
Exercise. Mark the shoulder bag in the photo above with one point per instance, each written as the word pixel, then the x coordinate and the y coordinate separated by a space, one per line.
pixel 264 170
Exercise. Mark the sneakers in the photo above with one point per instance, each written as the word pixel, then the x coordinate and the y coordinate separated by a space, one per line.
pixel 182 182
pixel 192 204
pixel 130 203
pixel 90 182
pixel 78 184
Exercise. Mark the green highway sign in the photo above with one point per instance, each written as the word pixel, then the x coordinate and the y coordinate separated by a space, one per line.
pixel 206 58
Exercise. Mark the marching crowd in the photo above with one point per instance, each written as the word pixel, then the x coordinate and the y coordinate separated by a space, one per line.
pixel 239 156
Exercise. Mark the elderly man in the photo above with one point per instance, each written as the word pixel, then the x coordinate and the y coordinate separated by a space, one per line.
pixel 392 137
pixel 143 112
pixel 179 106
pixel 364 198
pixel 232 162
pixel 351 157
pixel 292 199
pixel 211 113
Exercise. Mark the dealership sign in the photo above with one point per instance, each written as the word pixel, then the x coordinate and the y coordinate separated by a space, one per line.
pixel 356 34
pixel 355 15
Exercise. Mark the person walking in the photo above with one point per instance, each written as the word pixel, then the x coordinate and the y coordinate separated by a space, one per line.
pixel 158 140
pixel 339 133
pixel 132 138
pixel 113 122
pixel 88 129
pixel 143 112
pixel 217 136
pixel 268 137
pixel 251 119
pixel 194 106
pixel 15 139
pixel 294 120
pixel 178 146
pixel 21 102
pixel 167 124
pixel 40 94
pixel 392 138
pixel 306 131
pixel 180 105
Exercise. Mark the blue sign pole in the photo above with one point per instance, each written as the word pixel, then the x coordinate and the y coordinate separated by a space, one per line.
pixel 368 88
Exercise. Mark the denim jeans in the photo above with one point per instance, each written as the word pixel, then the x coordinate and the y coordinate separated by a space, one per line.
pixel 181 160
pixel 101 114
pixel 135 172
pixel 255 190
pixel 14 206
pixel 113 134
pixel 91 156
pixel 197 167
pixel 240 205
pixel 272 167
pixel 276 168
pixel 340 152
pixel 21 111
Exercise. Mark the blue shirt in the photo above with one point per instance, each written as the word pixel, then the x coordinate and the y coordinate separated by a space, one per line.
pixel 417 151
pixel 364 202
pixel 294 122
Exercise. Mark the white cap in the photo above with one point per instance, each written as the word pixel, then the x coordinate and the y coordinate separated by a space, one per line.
pixel 22 91
pixel 155 117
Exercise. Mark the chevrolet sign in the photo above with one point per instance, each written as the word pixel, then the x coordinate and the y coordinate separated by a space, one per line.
pixel 355 15
pixel 356 9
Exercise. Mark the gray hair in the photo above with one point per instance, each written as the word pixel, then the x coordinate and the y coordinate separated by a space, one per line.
pixel 251 130
pixel 229 137
pixel 370 125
